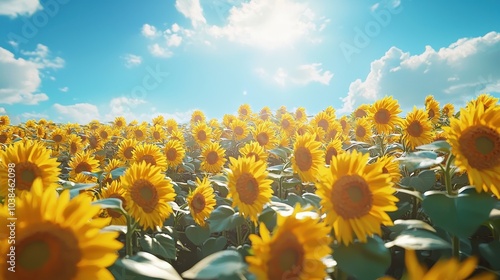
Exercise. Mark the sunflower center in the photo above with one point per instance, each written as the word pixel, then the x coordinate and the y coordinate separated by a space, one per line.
pixel 247 188
pixel 198 203
pixel 212 157
pixel 415 129
pixel 57 138
pixel 104 134
pixel 384 170
pixel 172 154
pixel 481 146
pixel 382 116
pixel 303 158
pixel 93 142
pixel 119 123
pixel 244 112
pixel 3 138
pixel 343 123
pixel 323 124
pixel 332 133
pixel 73 148
pixel 128 152
pixel 263 138
pixel 145 195
pixel 26 173
pixel 83 166
pixel 138 133
pixel 298 115
pixel 156 135
pixel 254 155
pixel 287 257
pixel 197 118
pixel 331 152
pixel 238 130
pixel 360 131
pixel 431 113
pixel 148 159
pixel 113 213
pixel 285 124
pixel 445 110
pixel 360 113
pixel 48 255
pixel 351 197
pixel 202 135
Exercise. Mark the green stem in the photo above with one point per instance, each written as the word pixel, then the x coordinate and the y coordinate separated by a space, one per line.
pixel 455 246
pixel 455 241
pixel 129 250
pixel 238 235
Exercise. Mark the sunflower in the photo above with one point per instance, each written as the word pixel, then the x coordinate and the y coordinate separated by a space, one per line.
pixel 42 122
pixel 83 161
pixel 157 133
pixel 75 144
pixel 292 252
pixel 283 139
pixel 248 186
pixel 213 158
pixel 448 110
pixel 335 131
pixel 333 149
pixel 244 112
pixel 151 154
pixel 110 166
pixel 6 136
pixel 148 192
pixel 93 125
pixel 361 111
pixel 389 166
pixel 158 120
pixel 320 133
pixel 58 135
pixel 115 190
pixel 417 128
pixel 171 125
pixel 40 131
pixel 105 133
pixel 32 160
pixel 240 129
pixel 227 119
pixel 323 120
pixel 197 117
pixel 174 153
pixel 487 101
pixel 355 198
pixel 287 124
pixel 384 114
pixel 307 157
pixel 432 108
pixel 253 149
pixel 119 122
pixel 126 149
pixel 362 130
pixel 216 128
pixel 303 128
pixel 56 238
pixel 300 115
pixel 281 110
pixel 201 201
pixel 475 142
pixel 265 135
pixel 346 126
pixel 265 113
pixel 177 135
pixel 202 133
pixel 4 120
pixel 95 141
pixel 138 132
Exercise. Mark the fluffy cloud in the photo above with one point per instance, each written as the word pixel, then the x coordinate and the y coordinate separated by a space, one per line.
pixel 81 113
pixel 269 24
pixel 300 75
pixel 64 89
pixel 19 81
pixel 132 60
pixel 2 110
pixel 149 31
pixel 452 74
pixel 122 106
pixel 159 51
pixel 174 40
pixel 40 56
pixel 13 8
pixel 192 10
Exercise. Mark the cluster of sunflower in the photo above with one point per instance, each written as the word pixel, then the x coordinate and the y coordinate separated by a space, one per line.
pixel 165 169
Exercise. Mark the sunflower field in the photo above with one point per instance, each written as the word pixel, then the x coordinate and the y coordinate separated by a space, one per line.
pixel 256 195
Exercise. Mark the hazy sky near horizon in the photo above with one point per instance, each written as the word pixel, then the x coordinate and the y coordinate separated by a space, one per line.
pixel 75 61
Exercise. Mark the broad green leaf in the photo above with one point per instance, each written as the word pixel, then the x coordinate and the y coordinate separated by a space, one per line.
pixel 367 260
pixel 224 218
pixel 213 245
pixel 420 160
pixel 278 167
pixel 403 208
pixel 312 199
pixel 117 172
pixel 440 146
pixel 491 252
pixel 197 234
pixel 144 266
pixel 110 203
pixel 460 215
pixel 419 239
pixel 161 245
pixel 216 266
pixel 292 199
pixel 401 225
pixel 279 152
pixel 220 180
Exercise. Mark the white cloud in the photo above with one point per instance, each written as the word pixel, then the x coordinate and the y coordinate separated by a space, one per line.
pixel 132 60
pixel 33 116
pixel 300 75
pixel 149 31
pixel 192 10
pixel 174 40
pixel 175 27
pixel 81 113
pixel 269 24
pixel 122 106
pixel 14 8
pixel 159 51
pixel 19 81
pixel 64 89
pixel 40 56
pixel 452 74
pixel 2 110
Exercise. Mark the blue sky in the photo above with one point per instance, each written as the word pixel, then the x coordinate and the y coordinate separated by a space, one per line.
pixel 74 61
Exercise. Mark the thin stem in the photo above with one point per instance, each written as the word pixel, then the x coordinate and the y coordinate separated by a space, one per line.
pixel 455 242
pixel 129 250
pixel 238 235
pixel 455 246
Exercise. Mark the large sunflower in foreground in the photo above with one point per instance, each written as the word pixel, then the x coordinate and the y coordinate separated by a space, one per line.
pixel 248 186
pixel 355 197
pixel 84 161
pixel 56 238
pixel 174 153
pixel 384 114
pixel 475 142
pixel 417 128
pixel 213 156
pixel 307 157
pixel 294 251
pixel 115 190
pixel 201 201
pixel 147 194
pixel 32 160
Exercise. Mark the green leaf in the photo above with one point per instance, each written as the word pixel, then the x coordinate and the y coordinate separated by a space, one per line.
pixel 312 199
pixel 459 215
pixel 224 218
pixel 419 239
pixel 292 199
pixel 117 172
pixel 403 208
pixel 189 167
pixel 424 181
pixel 401 225
pixel 215 266
pixel 279 152
pixel 144 266
pixel 68 185
pixel 491 252
pixel 161 245
pixel 197 234
pixel 278 167
pixel 116 228
pixel 440 146
pixel 367 260
pixel 419 160
pixel 220 180
pixel 110 203
pixel 213 245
